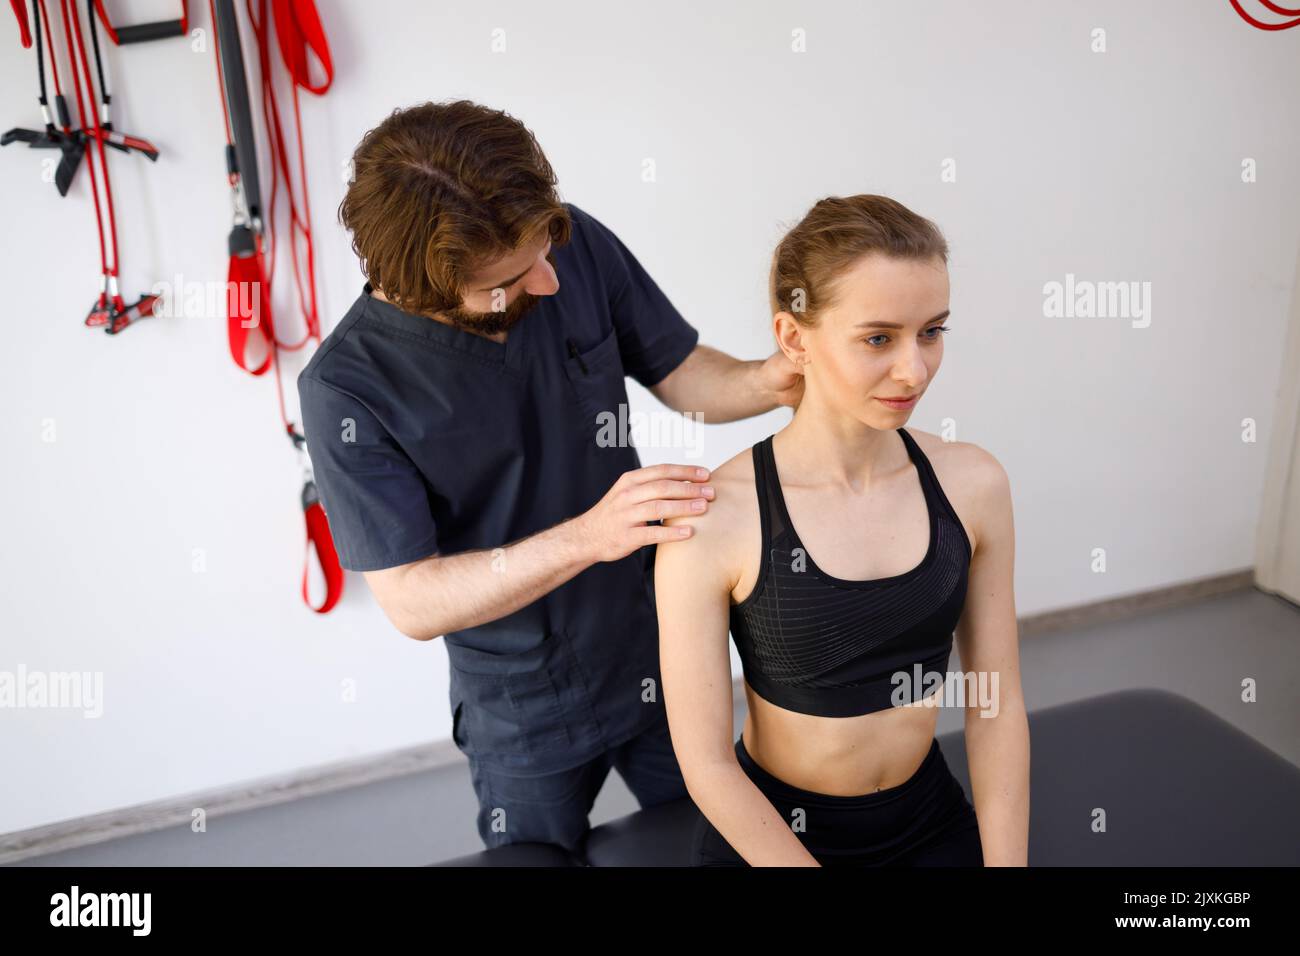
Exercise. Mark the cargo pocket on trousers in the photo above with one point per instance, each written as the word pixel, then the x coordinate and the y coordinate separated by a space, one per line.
pixel 510 718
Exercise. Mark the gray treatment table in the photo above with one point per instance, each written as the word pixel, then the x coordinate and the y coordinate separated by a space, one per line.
pixel 1179 785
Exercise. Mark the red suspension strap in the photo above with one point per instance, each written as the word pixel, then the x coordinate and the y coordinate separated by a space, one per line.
pixel 297 27
pixel 69 142
pixel 1276 8
pixel 24 28
pixel 252 259
pixel 110 310
pixel 101 311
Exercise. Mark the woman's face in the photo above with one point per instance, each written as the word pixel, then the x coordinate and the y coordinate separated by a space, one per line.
pixel 881 338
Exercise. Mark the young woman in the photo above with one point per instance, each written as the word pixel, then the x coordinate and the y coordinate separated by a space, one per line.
pixel 842 553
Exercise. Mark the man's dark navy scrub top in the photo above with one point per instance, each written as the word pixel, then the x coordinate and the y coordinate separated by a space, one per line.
pixel 425 438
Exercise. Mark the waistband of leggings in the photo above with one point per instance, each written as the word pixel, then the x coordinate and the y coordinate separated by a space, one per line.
pixel 768 783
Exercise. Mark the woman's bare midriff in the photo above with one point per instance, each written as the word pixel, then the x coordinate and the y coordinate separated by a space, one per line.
pixel 839 756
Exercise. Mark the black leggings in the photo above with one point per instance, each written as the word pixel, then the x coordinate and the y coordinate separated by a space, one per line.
pixel 924 821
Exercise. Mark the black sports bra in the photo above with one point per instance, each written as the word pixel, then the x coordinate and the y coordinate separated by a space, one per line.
pixel 821 645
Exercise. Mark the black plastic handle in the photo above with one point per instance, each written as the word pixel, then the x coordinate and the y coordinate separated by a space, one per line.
pixel 237 104
pixel 159 30
pixel 241 242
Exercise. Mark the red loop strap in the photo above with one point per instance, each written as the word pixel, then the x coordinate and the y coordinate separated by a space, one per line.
pixel 318 534
pixel 1276 8
pixel 298 27
pixel 248 309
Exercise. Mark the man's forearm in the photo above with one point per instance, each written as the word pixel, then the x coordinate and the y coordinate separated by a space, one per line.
pixel 721 388
pixel 444 594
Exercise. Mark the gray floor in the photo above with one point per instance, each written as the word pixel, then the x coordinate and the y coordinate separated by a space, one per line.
pixel 1202 651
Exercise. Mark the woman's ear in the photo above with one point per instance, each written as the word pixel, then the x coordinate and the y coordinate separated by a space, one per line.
pixel 789 338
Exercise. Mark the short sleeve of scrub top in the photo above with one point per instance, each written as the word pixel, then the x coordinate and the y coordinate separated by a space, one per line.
pixel 368 480
pixel 653 337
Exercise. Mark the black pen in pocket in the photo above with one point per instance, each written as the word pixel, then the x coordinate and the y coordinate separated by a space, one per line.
pixel 573 353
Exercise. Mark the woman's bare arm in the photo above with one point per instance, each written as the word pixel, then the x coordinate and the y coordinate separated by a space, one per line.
pixel 692 587
pixel 997 730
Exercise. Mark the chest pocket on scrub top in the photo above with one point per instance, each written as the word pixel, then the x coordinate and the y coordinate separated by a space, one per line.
pixel 596 377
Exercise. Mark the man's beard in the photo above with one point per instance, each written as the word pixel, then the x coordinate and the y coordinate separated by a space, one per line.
pixel 491 323
pixel 494 323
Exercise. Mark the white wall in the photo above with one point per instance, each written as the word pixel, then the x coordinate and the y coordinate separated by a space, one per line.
pixel 1117 166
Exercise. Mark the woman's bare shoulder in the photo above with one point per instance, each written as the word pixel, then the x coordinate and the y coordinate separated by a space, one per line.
pixel 972 478
pixel 966 460
pixel 727 526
